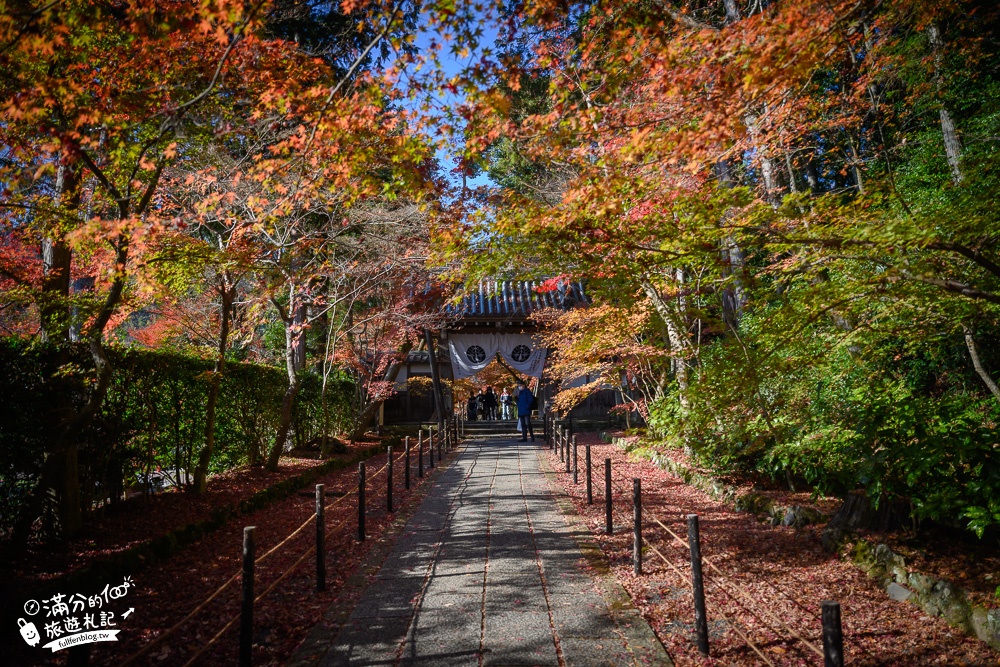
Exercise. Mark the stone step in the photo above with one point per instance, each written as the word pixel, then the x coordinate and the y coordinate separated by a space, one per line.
pixel 497 427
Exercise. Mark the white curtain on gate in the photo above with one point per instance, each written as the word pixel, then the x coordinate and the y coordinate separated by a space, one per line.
pixel 522 354
pixel 471 353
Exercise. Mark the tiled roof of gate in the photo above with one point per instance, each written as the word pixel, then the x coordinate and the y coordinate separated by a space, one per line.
pixel 505 298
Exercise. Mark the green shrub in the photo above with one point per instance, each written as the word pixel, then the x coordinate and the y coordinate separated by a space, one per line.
pixel 153 417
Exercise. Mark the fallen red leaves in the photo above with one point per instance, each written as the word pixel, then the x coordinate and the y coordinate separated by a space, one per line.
pixel 139 519
pixel 784 574
pixel 165 593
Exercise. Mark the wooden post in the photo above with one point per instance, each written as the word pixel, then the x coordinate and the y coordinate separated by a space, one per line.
pixel 562 442
pixel 246 598
pixel 435 375
pixel 420 453
pixel 569 468
pixel 320 537
pixel 637 526
pixel 833 637
pixel 576 463
pixel 590 485
pixel 406 460
pixel 607 497
pixel 388 480
pixel 698 585
pixel 361 502
pixel 440 439
pixel 430 447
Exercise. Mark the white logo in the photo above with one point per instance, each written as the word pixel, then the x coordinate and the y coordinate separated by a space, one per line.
pixel 29 632
pixel 476 354
pixel 70 620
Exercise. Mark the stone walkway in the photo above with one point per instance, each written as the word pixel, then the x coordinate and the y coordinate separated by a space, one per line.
pixel 489 571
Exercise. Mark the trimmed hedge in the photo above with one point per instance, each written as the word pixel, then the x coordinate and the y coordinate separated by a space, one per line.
pixel 153 417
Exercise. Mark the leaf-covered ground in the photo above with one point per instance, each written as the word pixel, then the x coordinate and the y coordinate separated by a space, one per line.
pixel 772 583
pixel 138 519
pixel 167 592
pixel 942 553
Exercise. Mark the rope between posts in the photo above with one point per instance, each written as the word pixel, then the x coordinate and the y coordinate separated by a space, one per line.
pixel 728 592
pixel 229 582
pixel 159 638
pixel 287 539
pixel 749 642
pixel 258 598
pixel 169 632
pixel 739 589
pixel 375 474
pixel 774 619
pixel 724 577
pixel 747 596
pixel 723 616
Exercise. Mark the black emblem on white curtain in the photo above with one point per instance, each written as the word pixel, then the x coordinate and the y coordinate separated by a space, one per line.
pixel 520 353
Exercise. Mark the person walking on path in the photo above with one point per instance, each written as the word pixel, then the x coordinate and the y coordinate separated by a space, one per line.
pixel 473 408
pixel 525 402
pixel 490 406
pixel 481 398
pixel 505 401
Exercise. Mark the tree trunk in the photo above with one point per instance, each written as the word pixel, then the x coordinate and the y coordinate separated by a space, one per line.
pixel 54 299
pixel 56 260
pixel 769 179
pixel 812 176
pixel 227 292
pixel 791 172
pixel 298 322
pixel 732 12
pixel 858 512
pixel 678 342
pixel 952 145
pixel 855 164
pixel 372 407
pixel 59 471
pixel 733 296
pixel 292 342
pixel 952 142
pixel 435 378
pixel 977 364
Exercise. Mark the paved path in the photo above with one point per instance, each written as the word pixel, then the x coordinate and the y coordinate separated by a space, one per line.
pixel 489 572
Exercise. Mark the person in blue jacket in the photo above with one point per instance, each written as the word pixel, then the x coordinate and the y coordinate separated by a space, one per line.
pixel 525 402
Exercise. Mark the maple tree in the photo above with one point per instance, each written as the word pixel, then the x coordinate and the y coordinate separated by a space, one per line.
pixel 776 182
pixel 762 197
pixel 162 140
pixel 101 98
